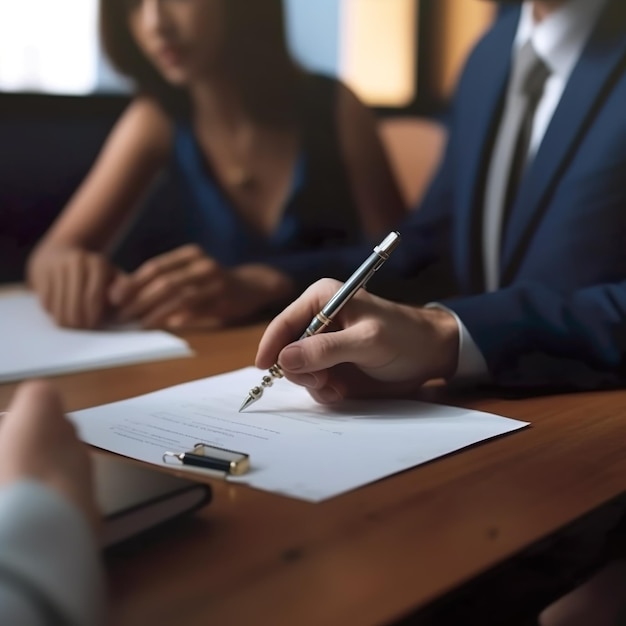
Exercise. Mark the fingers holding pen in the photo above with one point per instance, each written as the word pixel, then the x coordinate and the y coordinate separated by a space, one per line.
pixel 323 351
pixel 289 324
pixel 325 364
pixel 357 335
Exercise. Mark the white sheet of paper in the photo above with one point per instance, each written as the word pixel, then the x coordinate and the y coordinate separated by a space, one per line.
pixel 32 345
pixel 296 447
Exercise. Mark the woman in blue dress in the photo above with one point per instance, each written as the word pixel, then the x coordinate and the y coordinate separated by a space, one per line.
pixel 275 165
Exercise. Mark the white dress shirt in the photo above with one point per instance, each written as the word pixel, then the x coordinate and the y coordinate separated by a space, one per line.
pixel 559 40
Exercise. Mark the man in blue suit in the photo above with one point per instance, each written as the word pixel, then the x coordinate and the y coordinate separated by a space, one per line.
pixel 534 221
pixel 530 203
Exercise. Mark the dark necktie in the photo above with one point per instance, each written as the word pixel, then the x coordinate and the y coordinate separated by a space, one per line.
pixel 509 156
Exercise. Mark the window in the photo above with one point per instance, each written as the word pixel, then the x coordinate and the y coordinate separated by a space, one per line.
pixel 370 44
pixel 48 46
pixel 51 46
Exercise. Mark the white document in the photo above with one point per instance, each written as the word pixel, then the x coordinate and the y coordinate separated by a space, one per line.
pixel 296 447
pixel 32 345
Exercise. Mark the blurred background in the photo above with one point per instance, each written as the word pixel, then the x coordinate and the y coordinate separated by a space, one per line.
pixel 59 97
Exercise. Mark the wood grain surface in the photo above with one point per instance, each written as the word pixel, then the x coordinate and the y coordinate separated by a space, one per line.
pixel 376 553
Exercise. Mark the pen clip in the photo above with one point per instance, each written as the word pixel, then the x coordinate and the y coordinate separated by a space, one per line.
pixel 179 456
pixel 187 463
pixel 212 458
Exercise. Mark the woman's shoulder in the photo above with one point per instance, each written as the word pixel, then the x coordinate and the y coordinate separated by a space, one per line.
pixel 147 125
pixel 146 113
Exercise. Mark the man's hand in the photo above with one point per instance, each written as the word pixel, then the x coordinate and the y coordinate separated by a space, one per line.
pixel 37 442
pixel 378 347
pixel 185 288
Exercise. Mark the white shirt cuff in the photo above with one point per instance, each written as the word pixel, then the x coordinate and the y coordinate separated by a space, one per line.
pixel 471 364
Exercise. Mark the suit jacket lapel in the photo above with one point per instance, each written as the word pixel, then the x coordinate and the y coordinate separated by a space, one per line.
pixel 479 113
pixel 600 59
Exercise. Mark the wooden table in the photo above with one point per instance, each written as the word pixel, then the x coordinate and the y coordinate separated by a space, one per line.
pixel 374 554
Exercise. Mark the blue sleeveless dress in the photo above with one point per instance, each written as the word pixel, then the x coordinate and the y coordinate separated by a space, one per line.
pixel 211 221
pixel 320 212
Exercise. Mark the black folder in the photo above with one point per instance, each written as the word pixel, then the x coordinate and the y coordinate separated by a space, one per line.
pixel 135 498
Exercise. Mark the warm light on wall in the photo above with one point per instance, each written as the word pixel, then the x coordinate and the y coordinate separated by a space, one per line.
pixel 459 25
pixel 378 50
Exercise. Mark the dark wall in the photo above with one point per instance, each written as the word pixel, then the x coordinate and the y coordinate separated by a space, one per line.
pixel 47 145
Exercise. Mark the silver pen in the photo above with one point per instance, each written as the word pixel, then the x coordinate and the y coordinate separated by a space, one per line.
pixel 333 306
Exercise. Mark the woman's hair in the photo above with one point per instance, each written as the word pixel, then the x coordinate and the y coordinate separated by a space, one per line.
pixel 255 49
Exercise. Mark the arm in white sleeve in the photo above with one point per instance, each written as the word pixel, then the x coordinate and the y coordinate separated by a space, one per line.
pixel 50 571
pixel 471 364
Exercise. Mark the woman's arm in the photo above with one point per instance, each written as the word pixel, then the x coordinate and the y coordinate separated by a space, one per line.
pixel 68 269
pixel 375 189
pixel 132 155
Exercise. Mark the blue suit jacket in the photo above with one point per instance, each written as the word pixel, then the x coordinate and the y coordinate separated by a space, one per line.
pixel 560 316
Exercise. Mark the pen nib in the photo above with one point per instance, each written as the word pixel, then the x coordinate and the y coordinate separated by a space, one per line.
pixel 256 392
pixel 247 402
pixel 253 395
